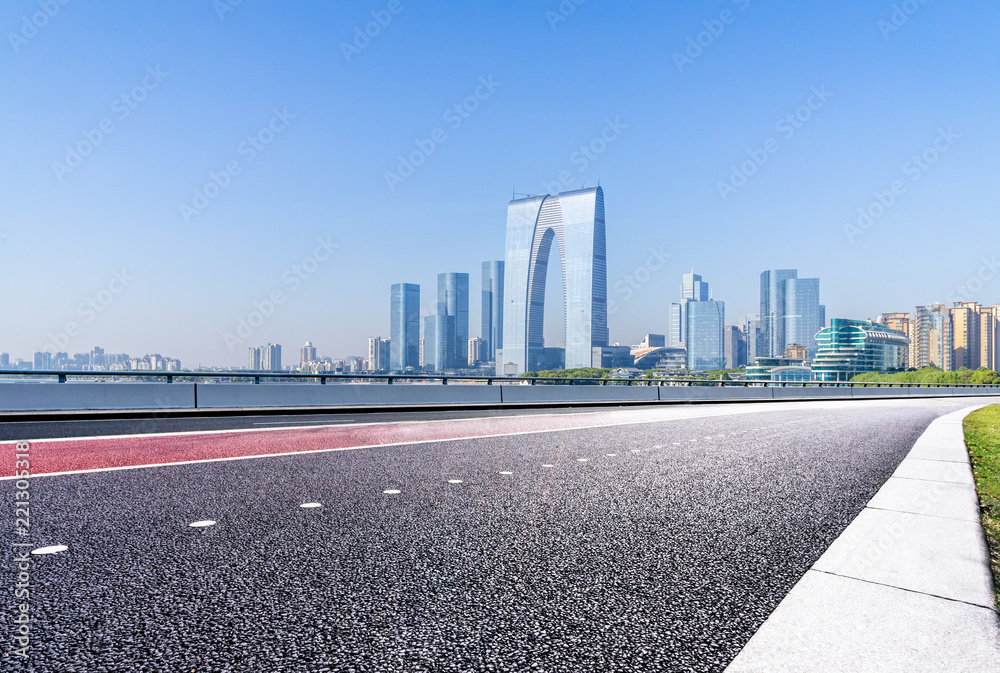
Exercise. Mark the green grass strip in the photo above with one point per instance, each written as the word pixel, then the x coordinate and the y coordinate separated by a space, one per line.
pixel 982 436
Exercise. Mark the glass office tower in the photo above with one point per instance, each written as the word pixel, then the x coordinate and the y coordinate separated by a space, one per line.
pixel 574 221
pixel 803 315
pixel 790 312
pixel 430 343
pixel 492 327
pixel 404 327
pixel 453 304
pixel 693 288
pixel 704 325
pixel 772 311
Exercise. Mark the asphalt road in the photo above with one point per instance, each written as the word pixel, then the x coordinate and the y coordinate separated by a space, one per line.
pixel 647 547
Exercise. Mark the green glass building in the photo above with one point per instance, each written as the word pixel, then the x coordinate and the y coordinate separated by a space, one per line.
pixel 851 347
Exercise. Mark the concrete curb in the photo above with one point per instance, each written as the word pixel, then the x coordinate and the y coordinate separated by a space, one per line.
pixel 906 587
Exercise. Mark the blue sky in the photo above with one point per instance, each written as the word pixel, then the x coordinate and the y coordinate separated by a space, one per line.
pixel 330 122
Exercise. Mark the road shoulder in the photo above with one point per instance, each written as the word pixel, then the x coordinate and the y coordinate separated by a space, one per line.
pixel 906 587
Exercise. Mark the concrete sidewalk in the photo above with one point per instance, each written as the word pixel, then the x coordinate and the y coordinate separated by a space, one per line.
pixel 906 587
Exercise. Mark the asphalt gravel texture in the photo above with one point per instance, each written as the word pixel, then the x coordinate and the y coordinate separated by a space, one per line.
pixel 665 556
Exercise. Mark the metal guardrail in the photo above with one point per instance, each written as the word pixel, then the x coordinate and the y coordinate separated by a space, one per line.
pixel 445 379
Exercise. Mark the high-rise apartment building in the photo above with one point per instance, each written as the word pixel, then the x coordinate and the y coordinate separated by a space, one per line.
pixel 270 358
pixel 378 354
pixel 898 322
pixel 307 353
pixel 476 354
pixel 989 334
pixel 492 309
pixel 575 221
pixel 453 320
pixel 966 324
pixel 404 326
pixel 932 338
pixel 790 312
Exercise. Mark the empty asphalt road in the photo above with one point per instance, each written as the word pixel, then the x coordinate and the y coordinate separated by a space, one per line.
pixel 639 539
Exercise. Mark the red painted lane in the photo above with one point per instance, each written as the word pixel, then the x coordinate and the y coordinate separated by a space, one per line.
pixel 50 456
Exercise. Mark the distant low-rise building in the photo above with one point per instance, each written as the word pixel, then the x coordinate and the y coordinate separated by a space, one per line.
pixel 787 370
pixel 796 352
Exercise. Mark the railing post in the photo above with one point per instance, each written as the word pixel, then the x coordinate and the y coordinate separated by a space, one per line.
pixel 62 378
pixel 256 380
pixel 388 380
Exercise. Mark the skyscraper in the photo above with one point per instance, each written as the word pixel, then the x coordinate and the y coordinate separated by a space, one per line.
pixel 453 304
pixel 735 347
pixel 492 327
pixel 676 327
pixel 804 317
pixel 772 308
pixel 694 288
pixel 704 325
pixel 429 343
pixel 750 326
pixel 790 312
pixel 575 222
pixel 404 326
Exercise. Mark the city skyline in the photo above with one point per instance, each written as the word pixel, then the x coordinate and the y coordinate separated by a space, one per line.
pixel 278 151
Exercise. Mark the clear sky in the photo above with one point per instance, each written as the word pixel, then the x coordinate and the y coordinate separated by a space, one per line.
pixel 310 117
